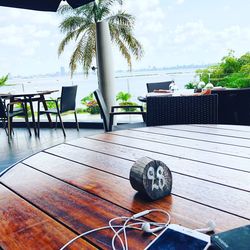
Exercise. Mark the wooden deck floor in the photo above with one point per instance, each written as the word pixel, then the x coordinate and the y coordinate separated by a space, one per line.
pixel 71 188
pixel 22 145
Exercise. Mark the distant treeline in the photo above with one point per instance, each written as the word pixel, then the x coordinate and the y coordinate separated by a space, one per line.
pixel 231 72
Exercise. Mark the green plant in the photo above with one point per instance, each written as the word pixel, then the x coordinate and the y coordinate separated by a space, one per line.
pixel 79 26
pixel 91 104
pixel 191 85
pixel 3 80
pixel 51 104
pixel 125 97
pixel 92 107
pixel 128 104
pixel 231 72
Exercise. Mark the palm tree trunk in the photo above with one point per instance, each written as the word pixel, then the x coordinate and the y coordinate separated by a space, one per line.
pixel 105 66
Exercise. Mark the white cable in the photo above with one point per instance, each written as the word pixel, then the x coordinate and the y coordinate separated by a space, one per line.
pixel 121 229
pixel 111 226
pixel 134 217
pixel 130 226
pixel 124 226
pixel 124 232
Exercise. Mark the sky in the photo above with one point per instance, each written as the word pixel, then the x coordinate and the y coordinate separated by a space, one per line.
pixel 172 32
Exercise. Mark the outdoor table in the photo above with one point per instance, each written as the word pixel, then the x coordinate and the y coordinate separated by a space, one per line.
pixel 30 97
pixel 58 193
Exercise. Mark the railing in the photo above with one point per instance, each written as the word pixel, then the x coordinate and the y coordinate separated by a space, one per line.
pixel 134 83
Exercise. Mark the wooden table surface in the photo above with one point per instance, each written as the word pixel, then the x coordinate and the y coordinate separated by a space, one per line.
pixel 27 94
pixel 71 188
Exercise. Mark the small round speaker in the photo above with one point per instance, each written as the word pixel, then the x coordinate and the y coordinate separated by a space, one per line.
pixel 151 178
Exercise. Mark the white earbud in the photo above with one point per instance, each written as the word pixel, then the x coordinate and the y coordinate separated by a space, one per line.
pixel 210 227
pixel 147 229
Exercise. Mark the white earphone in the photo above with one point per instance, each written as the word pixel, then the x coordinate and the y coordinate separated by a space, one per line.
pixel 147 228
pixel 210 227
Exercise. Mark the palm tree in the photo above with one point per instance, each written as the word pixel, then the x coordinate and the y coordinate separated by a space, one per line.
pixel 79 26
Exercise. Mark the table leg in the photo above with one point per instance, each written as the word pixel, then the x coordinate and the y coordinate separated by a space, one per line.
pixel 32 114
pixel 46 108
pixel 12 99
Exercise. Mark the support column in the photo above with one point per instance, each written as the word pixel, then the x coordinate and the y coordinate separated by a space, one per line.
pixel 106 79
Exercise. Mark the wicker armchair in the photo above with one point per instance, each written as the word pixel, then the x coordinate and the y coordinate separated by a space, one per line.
pixel 158 85
pixel 162 110
pixel 108 117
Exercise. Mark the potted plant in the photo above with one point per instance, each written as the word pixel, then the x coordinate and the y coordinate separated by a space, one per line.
pixel 124 98
pixel 91 104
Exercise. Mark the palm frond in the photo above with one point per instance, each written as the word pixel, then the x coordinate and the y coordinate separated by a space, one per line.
pixel 65 9
pixel 122 18
pixel 89 52
pixel 84 53
pixel 109 3
pixel 115 36
pixel 104 8
pixel 126 36
pixel 133 44
pixel 70 36
pixel 71 23
pixel 76 56
pixel 87 10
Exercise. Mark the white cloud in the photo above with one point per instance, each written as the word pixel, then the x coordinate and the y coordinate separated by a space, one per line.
pixel 170 35
pixel 195 42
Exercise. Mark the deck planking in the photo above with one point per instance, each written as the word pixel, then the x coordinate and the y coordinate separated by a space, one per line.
pixel 82 184
pixel 23 218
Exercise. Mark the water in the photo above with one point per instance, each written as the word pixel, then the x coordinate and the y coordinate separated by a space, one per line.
pixel 134 83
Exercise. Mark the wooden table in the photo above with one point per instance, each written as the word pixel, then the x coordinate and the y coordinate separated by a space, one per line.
pixel 30 97
pixel 71 188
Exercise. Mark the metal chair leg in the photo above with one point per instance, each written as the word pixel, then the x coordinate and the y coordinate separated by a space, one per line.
pixel 77 124
pixel 60 118
pixel 26 118
pixel 38 119
pixel 110 125
pixel 5 127
pixel 9 128
pixel 56 122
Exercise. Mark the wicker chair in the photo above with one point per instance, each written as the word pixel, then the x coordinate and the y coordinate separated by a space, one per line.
pixel 65 103
pixel 162 110
pixel 108 117
pixel 7 112
pixel 158 85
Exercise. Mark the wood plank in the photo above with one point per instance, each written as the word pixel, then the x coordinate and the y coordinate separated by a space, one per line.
pixel 25 227
pixel 215 192
pixel 79 210
pixel 226 127
pixel 189 143
pixel 209 130
pixel 227 161
pixel 212 173
pixel 240 142
pixel 185 212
